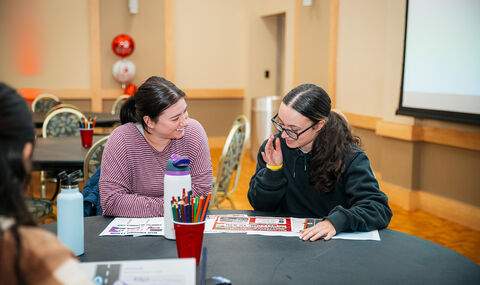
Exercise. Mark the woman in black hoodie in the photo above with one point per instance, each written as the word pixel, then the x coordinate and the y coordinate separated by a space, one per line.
pixel 314 167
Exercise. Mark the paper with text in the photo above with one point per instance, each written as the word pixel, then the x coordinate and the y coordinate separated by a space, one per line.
pixel 134 227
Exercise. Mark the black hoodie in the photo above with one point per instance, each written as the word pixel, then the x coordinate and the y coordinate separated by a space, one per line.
pixel 356 203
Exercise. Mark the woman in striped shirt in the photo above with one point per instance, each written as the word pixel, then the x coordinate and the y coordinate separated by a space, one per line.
pixel 135 156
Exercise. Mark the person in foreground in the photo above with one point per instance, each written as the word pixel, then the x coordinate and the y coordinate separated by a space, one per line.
pixel 135 156
pixel 28 254
pixel 315 167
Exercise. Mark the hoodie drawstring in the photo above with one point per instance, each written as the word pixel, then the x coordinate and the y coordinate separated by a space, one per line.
pixel 295 163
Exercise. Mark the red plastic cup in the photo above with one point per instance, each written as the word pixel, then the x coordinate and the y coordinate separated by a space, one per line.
pixel 87 137
pixel 189 238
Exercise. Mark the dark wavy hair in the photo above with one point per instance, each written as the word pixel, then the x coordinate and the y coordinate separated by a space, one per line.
pixel 153 97
pixel 16 129
pixel 333 143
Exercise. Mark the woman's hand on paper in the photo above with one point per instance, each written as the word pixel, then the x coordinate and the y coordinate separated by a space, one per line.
pixel 273 155
pixel 324 230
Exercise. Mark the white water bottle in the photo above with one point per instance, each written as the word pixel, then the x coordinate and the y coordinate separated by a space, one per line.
pixel 70 213
pixel 177 177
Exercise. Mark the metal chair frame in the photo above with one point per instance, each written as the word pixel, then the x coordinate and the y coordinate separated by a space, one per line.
pixel 59 111
pixel 118 101
pixel 219 194
pixel 43 96
pixel 88 157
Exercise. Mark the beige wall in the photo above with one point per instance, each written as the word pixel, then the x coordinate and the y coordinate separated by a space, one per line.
pixel 361 56
pixel 45 44
pixel 259 9
pixel 210 43
pixel 146 29
pixel 313 40
pixel 217 120
pixel 263 46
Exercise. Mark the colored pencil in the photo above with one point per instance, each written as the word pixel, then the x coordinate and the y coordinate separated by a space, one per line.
pixel 199 207
pixel 205 207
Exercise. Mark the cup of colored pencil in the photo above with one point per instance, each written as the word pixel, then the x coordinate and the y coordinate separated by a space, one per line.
pixel 190 209
pixel 86 131
pixel 189 213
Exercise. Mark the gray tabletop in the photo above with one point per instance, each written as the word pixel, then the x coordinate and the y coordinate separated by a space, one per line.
pixel 56 153
pixel 247 259
pixel 103 119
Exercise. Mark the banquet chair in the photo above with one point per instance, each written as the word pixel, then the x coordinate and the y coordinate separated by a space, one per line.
pixel 62 122
pixel 93 158
pixel 44 102
pixel 117 105
pixel 229 167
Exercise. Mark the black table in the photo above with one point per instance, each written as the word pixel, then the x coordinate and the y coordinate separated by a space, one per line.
pixel 249 259
pixel 104 120
pixel 59 153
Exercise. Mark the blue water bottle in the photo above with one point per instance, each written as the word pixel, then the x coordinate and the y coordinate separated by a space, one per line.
pixel 70 212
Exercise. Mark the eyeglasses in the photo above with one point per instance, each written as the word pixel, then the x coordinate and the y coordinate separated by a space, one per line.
pixel 291 133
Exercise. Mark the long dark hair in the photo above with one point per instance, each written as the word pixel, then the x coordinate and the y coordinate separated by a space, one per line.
pixel 153 97
pixel 16 129
pixel 333 143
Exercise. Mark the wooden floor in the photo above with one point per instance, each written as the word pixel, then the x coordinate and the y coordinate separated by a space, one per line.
pixel 418 223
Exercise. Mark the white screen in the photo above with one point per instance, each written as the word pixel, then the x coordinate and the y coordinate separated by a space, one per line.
pixel 442 56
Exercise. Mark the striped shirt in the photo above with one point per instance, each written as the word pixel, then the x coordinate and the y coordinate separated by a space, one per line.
pixel 132 171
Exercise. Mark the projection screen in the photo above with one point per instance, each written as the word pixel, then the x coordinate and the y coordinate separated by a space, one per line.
pixel 441 68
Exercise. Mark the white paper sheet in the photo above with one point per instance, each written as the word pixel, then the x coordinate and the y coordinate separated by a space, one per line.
pixel 134 227
pixel 144 272
pixel 373 235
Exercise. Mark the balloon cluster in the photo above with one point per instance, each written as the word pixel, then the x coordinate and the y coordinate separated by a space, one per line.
pixel 123 70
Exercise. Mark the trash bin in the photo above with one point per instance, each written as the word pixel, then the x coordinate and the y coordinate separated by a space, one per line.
pixel 263 109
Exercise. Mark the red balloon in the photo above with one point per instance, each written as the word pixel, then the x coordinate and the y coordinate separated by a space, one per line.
pixel 130 89
pixel 123 45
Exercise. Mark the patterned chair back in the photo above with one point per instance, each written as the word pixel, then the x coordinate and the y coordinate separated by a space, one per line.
pixel 93 158
pixel 117 105
pixel 63 122
pixel 230 161
pixel 44 103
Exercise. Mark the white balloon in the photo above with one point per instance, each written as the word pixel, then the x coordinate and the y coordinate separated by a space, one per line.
pixel 123 70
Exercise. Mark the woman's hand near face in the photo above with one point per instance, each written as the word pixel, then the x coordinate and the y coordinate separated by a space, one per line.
pixel 273 155
pixel 324 230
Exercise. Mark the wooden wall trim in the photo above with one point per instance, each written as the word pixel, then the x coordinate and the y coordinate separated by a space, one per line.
pixel 443 136
pixel 201 94
pixel 69 93
pixel 111 93
pixel 449 209
pixel 451 137
pixel 362 121
pixel 332 51
pixel 95 67
pixel 397 131
pixel 208 94
pixel 169 16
